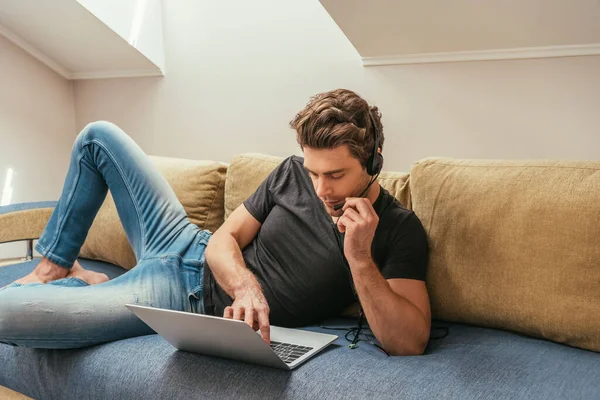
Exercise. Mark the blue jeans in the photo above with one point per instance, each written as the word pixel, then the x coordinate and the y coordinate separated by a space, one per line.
pixel 169 250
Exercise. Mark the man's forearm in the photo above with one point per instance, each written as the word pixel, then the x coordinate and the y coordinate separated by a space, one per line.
pixel 226 262
pixel 398 324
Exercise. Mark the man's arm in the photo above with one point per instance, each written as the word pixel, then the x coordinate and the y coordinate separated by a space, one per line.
pixel 397 310
pixel 224 256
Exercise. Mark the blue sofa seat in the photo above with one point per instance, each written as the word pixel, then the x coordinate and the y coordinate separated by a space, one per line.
pixel 470 363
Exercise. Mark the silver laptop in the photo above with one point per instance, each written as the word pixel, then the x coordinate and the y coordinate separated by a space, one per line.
pixel 227 338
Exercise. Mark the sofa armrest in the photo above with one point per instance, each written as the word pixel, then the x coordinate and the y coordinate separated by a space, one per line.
pixel 24 221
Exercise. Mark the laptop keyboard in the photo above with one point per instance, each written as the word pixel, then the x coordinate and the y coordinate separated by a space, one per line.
pixel 289 352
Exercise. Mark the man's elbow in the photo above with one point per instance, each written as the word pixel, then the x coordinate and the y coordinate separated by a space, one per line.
pixel 407 351
pixel 414 347
pixel 215 247
pixel 216 242
pixel 210 248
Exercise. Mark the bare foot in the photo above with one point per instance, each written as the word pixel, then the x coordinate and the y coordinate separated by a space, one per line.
pixel 46 271
pixel 91 277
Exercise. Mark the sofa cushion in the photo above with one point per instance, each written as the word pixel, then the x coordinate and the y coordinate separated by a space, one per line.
pixel 199 186
pixel 398 184
pixel 247 171
pixel 471 363
pixel 514 244
pixel 244 175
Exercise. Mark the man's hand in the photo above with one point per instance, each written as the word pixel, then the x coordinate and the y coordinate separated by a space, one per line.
pixel 251 306
pixel 359 221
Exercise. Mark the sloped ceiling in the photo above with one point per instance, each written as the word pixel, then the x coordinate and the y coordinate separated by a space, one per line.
pixel 404 28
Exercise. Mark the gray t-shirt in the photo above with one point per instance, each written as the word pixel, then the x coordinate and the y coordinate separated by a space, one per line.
pixel 297 255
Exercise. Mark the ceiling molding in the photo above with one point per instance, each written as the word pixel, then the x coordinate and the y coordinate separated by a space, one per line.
pixel 22 43
pixel 116 74
pixel 486 55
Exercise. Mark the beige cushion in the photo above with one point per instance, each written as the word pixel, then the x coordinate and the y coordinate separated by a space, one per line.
pixel 247 171
pixel 244 175
pixel 397 183
pixel 199 186
pixel 514 244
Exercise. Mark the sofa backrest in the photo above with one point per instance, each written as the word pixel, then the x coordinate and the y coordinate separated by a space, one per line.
pixel 247 171
pixel 199 186
pixel 514 244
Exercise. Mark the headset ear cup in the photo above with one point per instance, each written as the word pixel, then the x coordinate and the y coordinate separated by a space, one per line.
pixel 377 163
pixel 374 164
pixel 370 165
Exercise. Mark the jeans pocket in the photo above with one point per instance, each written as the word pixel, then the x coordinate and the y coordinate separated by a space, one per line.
pixel 195 256
pixel 195 297
pixel 204 236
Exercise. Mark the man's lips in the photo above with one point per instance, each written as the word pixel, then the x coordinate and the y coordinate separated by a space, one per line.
pixel 332 203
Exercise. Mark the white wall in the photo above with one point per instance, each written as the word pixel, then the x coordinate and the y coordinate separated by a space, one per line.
pixel 238 71
pixel 37 129
pixel 544 108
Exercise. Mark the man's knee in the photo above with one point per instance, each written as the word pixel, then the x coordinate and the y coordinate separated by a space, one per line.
pixel 102 132
pixel 12 316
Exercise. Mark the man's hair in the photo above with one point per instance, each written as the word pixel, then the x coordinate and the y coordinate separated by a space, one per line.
pixel 338 117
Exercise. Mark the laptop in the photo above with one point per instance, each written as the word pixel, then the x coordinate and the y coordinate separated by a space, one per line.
pixel 236 340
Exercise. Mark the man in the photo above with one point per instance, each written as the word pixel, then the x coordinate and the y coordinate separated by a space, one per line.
pixel 289 255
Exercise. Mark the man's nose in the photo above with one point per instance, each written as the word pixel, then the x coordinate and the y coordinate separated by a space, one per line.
pixel 322 188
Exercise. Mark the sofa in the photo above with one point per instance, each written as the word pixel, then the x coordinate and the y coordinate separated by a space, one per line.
pixel 513 276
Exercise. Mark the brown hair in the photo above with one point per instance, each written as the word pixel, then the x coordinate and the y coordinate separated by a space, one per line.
pixel 335 118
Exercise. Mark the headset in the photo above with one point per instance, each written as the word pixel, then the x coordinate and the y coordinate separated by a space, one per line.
pixel 374 162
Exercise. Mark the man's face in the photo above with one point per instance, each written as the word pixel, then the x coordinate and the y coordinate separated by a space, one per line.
pixel 335 175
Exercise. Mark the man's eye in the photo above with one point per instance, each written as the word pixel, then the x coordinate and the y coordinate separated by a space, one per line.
pixel 337 176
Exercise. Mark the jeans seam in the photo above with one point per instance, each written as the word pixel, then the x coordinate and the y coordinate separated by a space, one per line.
pixel 11 286
pixel 164 255
pixel 52 245
pixel 127 185
pixel 78 280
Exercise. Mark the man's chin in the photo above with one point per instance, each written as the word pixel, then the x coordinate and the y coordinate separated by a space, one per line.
pixel 331 211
